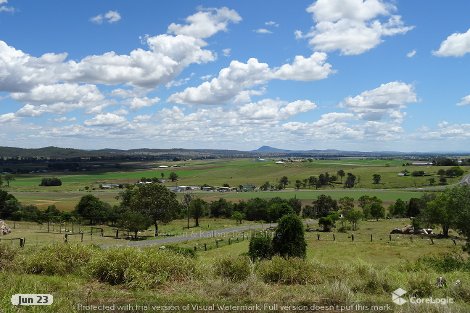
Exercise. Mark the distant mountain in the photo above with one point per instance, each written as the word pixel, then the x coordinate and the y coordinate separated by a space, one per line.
pixel 268 149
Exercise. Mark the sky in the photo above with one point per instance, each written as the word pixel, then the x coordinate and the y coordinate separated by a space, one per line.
pixel 369 75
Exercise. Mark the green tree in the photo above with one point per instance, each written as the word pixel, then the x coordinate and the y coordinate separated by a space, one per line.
pixel 323 206
pixel 298 184
pixel 377 210
pixel 376 178
pixel 1 181
pixel 173 176
pixel 266 186
pixel 93 209
pixel 345 204
pixel 353 217
pixel 289 238
pixel 152 200
pixel 328 222
pixel 9 178
pixel 398 209
pixel 450 209
pixel 221 208
pixel 341 174
pixel 134 222
pixel 415 206
pixel 198 209
pixel 261 247
pixel 432 181
pixel 284 181
pixel 278 210
pixel 350 181
pixel 238 216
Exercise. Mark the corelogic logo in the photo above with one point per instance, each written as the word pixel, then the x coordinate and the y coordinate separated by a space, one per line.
pixel 397 296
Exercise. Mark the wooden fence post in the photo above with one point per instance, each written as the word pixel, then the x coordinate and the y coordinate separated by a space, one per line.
pixel 22 240
pixel 66 238
pixel 318 236
pixel 334 237
pixel 352 237
pixel 117 233
pixel 389 237
pixel 81 235
pixel 205 247
pixel 370 237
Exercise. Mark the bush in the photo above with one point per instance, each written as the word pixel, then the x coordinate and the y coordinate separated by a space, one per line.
pixel 289 240
pixel 58 259
pixel 446 263
pixel 188 252
pixel 7 255
pixel 260 247
pixel 53 181
pixel 292 271
pixel 235 269
pixel 142 269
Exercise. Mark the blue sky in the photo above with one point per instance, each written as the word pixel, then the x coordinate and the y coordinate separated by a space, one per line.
pixel 328 74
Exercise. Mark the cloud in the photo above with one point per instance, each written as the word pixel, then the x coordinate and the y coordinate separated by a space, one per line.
pixel 8 118
pixel 456 45
pixel 5 8
pixel 352 27
pixel 226 52
pixel 384 101
pixel 206 23
pixel 305 69
pixel 263 31
pixel 274 109
pixel 229 83
pixel 271 24
pixel 105 119
pixel 108 17
pixel 445 131
pixel 411 54
pixel 59 99
pixel 139 103
pixel 235 82
pixel 464 101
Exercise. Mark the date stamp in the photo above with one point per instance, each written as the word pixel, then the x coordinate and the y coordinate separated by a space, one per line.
pixel 32 299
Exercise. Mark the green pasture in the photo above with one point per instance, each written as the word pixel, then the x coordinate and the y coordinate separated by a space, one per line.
pixel 241 171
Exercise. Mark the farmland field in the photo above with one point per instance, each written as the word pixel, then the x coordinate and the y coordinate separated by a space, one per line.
pixel 236 172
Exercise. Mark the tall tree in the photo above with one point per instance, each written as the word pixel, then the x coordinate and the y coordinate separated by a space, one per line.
pixel 323 206
pixel 198 209
pixel 289 239
pixel 134 222
pixel 376 178
pixel 345 204
pixel 350 181
pixel 152 200
pixel 8 178
pixel 173 176
pixel 284 181
pixel 341 174
pixel 92 208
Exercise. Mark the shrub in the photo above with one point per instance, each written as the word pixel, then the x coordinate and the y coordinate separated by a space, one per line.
pixel 188 252
pixel 58 259
pixel 7 255
pixel 446 263
pixel 420 284
pixel 289 240
pixel 144 268
pixel 292 271
pixel 52 181
pixel 235 269
pixel 260 247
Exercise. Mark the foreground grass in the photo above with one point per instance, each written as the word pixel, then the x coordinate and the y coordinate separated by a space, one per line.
pixel 83 275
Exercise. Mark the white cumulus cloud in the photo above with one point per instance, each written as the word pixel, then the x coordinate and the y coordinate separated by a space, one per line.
pixel 352 27
pixel 456 45
pixel 206 23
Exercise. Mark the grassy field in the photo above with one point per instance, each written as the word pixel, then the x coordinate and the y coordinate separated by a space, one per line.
pixel 234 172
pixel 242 171
pixel 337 273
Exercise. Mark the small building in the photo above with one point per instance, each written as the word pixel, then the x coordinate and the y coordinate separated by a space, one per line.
pixel 223 189
pixel 163 166
pixel 421 163
pixel 248 188
pixel 280 162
